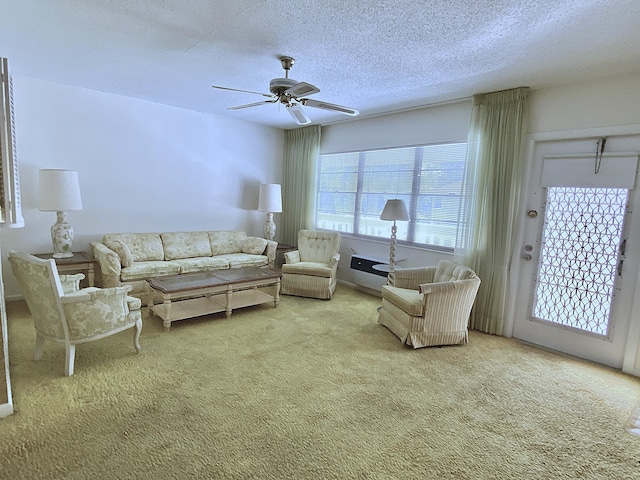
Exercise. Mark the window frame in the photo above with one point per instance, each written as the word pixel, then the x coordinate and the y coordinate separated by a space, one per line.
pixel 412 204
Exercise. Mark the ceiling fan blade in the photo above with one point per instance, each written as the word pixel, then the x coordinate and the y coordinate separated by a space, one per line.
pixel 243 91
pixel 252 104
pixel 301 89
pixel 298 114
pixel 308 102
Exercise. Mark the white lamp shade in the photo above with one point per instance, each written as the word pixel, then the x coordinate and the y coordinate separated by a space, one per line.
pixel 59 190
pixel 270 199
pixel 394 209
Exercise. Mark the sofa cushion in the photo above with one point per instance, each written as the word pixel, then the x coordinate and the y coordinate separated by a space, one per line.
pixel 144 247
pixel 226 241
pixel 313 269
pixel 201 264
pixel 254 245
pixel 185 245
pixel 126 258
pixel 144 270
pixel 237 260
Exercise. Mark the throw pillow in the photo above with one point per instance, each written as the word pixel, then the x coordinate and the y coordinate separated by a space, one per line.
pixel 126 259
pixel 254 245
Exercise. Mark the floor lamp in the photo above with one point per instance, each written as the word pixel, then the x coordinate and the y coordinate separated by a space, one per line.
pixel 394 209
pixel 60 192
pixel 270 201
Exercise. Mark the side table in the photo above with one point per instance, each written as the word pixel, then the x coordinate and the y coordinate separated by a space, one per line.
pixel 80 262
pixel 280 251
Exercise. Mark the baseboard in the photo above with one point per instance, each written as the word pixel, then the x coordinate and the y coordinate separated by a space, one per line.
pixel 361 288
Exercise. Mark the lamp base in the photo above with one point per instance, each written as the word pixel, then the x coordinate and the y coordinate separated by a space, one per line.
pixel 62 237
pixel 392 248
pixel 269 229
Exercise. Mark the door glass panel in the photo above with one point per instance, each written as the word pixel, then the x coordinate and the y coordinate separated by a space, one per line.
pixel 579 255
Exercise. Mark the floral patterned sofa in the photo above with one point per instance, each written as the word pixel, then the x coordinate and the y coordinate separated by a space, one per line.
pixel 132 258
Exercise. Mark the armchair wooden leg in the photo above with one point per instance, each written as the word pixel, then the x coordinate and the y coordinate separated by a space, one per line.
pixel 70 359
pixel 136 335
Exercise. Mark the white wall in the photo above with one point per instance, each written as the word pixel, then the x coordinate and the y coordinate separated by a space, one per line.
pixel 608 102
pixel 142 166
pixel 437 124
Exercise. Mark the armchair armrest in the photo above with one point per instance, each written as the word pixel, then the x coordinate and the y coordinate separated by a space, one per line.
pixel 109 265
pixel 95 311
pixel 91 294
pixel 426 288
pixel 334 260
pixel 292 257
pixel 71 283
pixel 411 278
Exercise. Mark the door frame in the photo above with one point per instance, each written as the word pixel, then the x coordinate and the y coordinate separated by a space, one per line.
pixel 631 356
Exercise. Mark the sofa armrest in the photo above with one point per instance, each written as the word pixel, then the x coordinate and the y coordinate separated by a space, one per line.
pixel 109 266
pixel 271 250
pixel 292 257
pixel 334 260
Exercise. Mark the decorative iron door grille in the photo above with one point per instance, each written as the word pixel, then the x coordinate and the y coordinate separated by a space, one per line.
pixel 579 254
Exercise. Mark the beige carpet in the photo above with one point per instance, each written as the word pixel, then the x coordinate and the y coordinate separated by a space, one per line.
pixel 312 389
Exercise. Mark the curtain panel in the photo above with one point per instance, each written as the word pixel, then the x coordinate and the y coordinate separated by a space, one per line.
pixel 491 194
pixel 301 150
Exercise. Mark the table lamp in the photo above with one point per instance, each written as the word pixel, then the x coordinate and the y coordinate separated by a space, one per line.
pixel 270 201
pixel 60 192
pixel 394 209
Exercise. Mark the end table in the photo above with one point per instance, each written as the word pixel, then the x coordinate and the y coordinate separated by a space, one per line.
pixel 280 251
pixel 80 262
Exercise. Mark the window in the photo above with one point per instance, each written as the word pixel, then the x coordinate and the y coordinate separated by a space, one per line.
pixel 353 188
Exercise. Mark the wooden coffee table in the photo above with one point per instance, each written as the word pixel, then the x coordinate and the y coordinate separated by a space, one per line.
pixel 194 294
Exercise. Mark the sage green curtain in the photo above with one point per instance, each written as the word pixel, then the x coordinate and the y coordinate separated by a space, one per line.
pixel 301 150
pixel 491 194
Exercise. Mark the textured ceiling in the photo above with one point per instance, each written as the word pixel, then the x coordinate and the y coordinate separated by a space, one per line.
pixel 372 55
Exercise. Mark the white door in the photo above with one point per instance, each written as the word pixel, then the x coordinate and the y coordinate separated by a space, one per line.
pixel 577 263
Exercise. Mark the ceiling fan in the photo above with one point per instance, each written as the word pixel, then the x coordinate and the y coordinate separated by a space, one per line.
pixel 292 94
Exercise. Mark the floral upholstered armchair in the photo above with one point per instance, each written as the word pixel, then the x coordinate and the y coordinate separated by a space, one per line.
pixel 429 305
pixel 66 314
pixel 311 271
